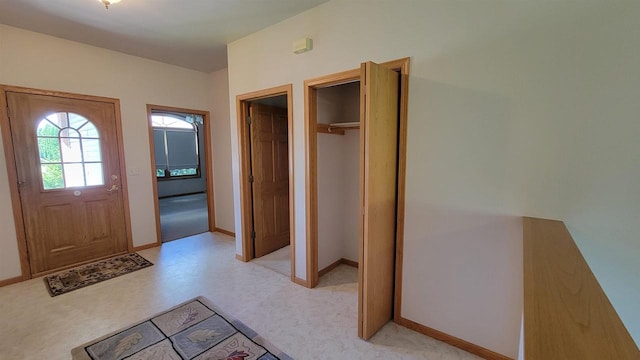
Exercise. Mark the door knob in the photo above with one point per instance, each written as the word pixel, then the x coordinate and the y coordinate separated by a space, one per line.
pixel 113 188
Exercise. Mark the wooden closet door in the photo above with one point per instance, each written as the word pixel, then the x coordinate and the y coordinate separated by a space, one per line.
pixel 378 193
pixel 270 171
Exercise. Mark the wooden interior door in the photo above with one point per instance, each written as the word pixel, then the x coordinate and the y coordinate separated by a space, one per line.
pixel 68 168
pixel 378 176
pixel 270 174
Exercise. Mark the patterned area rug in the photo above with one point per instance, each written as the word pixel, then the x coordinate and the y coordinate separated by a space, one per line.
pixel 96 272
pixel 195 329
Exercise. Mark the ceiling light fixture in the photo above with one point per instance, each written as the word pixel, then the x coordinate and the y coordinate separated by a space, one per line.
pixel 108 2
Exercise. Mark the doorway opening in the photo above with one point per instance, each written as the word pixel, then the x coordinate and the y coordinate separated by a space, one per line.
pixel 181 166
pixel 265 131
pixel 333 125
pixel 371 100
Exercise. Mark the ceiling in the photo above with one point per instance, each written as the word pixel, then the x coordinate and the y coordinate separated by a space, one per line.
pixel 188 33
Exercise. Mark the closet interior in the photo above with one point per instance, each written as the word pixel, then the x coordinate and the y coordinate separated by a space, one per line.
pixel 338 159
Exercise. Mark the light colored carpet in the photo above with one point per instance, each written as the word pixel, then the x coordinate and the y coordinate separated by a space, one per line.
pixel 182 216
pixel 278 261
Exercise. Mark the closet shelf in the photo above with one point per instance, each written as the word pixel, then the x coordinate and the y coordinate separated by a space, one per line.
pixel 337 128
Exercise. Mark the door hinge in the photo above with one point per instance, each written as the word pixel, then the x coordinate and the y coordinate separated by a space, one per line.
pixel 251 179
pixel 253 235
pixel 8 112
pixel 249 120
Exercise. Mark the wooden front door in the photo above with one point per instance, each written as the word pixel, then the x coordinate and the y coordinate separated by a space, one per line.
pixel 68 168
pixel 270 174
pixel 378 196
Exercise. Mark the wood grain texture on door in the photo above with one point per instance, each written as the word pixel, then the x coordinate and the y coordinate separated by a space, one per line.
pixel 270 171
pixel 378 196
pixel 81 218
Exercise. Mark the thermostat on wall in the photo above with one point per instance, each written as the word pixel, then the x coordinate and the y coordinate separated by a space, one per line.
pixel 302 45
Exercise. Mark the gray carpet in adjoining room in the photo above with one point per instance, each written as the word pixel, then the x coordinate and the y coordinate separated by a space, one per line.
pixel 182 216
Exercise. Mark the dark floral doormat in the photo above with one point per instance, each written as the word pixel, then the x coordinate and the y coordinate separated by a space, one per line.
pixel 96 272
pixel 195 329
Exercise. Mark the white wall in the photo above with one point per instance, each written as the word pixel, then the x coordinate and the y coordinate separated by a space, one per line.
pixel 331 213
pixel 515 108
pixel 221 135
pixel 182 186
pixel 338 197
pixel 9 258
pixel 351 192
pixel 34 60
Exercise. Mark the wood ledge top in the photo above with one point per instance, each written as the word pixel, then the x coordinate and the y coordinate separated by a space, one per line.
pixel 566 313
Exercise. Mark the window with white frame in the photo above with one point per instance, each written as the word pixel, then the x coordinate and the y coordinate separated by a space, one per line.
pixel 176 145
pixel 69 149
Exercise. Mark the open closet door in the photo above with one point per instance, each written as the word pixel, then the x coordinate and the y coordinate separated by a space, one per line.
pixel 378 172
pixel 270 172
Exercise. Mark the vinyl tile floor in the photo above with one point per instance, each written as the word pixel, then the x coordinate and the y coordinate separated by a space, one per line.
pixel 315 323
pixel 278 261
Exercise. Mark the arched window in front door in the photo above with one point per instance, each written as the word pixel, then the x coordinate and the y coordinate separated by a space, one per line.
pixel 69 149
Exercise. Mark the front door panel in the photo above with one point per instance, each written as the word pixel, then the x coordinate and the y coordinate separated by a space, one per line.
pixel 68 168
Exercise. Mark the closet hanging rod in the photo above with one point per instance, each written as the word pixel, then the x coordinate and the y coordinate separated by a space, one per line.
pixel 337 128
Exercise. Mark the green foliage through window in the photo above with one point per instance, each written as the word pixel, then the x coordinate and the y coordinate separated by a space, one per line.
pixel 183 172
pixel 52 177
